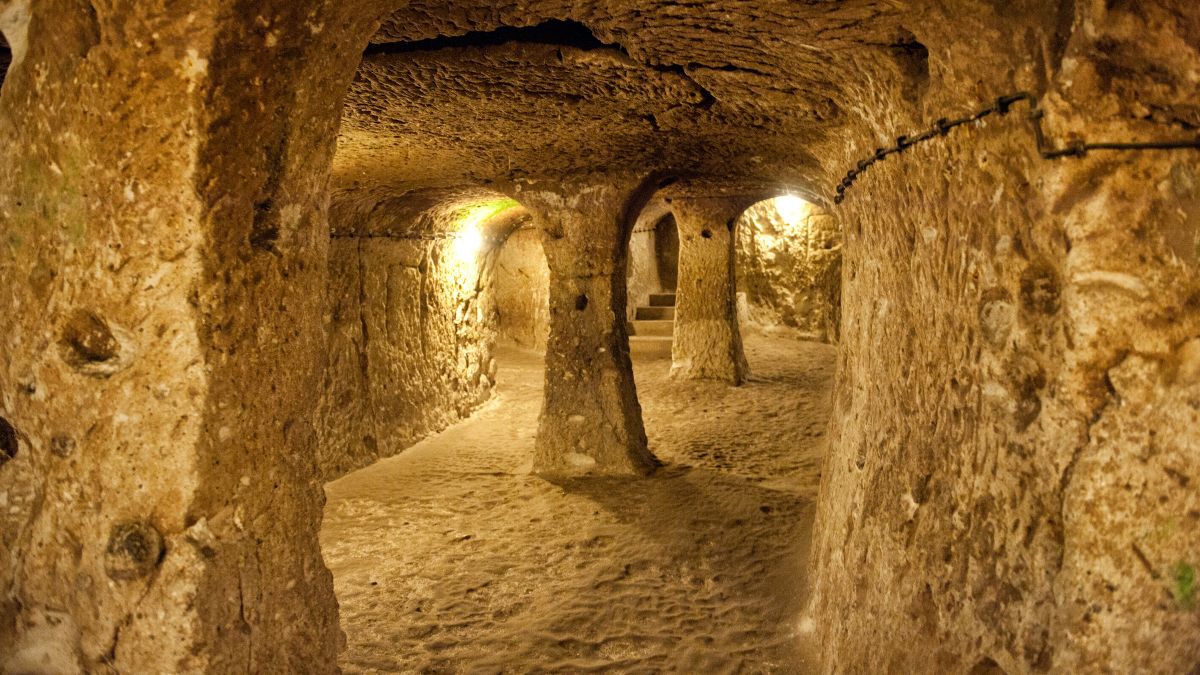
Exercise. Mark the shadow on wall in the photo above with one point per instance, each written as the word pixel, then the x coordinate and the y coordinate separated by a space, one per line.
pixel 789 265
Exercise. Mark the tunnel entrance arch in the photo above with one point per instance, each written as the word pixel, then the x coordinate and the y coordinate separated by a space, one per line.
pixel 789 253
pixel 651 276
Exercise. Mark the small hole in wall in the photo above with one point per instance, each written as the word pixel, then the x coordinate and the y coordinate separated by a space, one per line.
pixel 8 441
pixel 707 234
pixel 264 239
pixel 912 60
pixel 62 446
pixel 581 303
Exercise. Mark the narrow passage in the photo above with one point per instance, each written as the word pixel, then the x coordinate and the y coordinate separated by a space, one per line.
pixel 452 557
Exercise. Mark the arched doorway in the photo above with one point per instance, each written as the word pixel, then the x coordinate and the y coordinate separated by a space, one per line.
pixel 789 262
pixel 652 277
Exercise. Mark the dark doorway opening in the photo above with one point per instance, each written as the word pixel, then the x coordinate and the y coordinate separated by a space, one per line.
pixel 666 252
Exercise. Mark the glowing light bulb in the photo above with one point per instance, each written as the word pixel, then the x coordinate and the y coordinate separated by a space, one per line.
pixel 793 209
pixel 468 242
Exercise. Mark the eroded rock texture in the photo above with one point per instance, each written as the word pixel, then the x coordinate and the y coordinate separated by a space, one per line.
pixel 418 293
pixel 737 91
pixel 1013 455
pixel 707 343
pixel 1013 462
pixel 790 268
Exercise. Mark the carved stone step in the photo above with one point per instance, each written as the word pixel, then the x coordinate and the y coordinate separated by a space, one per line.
pixel 660 328
pixel 662 299
pixel 655 314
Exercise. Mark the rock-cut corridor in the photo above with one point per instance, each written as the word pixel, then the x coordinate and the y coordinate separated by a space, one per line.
pixel 453 558
pixel 829 336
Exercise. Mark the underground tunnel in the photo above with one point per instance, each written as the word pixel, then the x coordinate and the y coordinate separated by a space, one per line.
pixel 858 336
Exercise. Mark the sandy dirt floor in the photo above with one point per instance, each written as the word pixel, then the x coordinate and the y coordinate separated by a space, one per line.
pixel 453 558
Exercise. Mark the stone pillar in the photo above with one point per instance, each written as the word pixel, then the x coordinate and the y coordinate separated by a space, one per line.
pixel 707 342
pixel 591 420
pixel 160 343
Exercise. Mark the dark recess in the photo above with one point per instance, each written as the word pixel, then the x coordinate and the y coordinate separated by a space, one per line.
pixel 666 252
pixel 553 32
pixel 912 58
pixel 5 60
pixel 8 441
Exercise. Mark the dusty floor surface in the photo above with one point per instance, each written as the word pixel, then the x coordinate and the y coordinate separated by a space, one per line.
pixel 452 558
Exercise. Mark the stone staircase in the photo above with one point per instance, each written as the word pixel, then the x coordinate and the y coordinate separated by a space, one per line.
pixel 653 326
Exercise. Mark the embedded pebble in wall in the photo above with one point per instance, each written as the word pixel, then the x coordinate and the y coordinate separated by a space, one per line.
pixel 134 550
pixel 91 345
pixel 62 446
pixel 89 339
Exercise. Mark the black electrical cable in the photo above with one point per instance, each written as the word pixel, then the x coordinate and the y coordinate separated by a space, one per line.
pixel 1002 106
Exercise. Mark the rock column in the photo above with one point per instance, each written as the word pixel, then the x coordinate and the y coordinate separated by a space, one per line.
pixel 160 343
pixel 591 420
pixel 707 342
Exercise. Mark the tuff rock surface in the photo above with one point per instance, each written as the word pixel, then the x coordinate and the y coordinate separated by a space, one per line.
pixel 591 422
pixel 1011 482
pixel 523 290
pixel 1011 476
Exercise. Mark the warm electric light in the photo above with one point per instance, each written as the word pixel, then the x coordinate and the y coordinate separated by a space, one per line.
pixel 793 209
pixel 468 242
